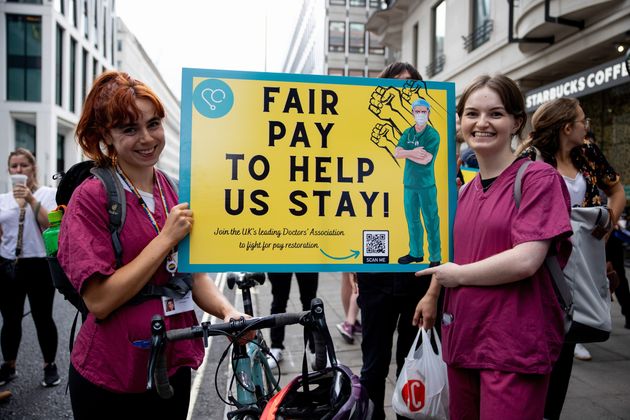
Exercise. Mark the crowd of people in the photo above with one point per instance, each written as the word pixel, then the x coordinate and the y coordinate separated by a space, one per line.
pixel 494 305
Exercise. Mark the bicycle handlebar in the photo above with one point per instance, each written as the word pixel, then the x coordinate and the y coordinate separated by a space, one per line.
pixel 157 375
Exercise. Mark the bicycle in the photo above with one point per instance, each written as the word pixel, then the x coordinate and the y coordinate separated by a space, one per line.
pixel 250 401
pixel 257 383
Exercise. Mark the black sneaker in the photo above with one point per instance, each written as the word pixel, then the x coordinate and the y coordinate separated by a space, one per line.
pixel 7 374
pixel 51 377
pixel 407 259
pixel 433 263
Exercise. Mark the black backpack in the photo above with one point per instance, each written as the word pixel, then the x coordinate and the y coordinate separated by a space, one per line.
pixel 177 287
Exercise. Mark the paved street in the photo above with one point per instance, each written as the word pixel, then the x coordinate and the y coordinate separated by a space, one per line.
pixel 598 390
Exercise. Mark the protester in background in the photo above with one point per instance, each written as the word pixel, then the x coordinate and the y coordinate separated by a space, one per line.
pixel 24 269
pixel 349 293
pixel 280 290
pixel 387 302
pixel 121 128
pixel 502 325
pixel 558 136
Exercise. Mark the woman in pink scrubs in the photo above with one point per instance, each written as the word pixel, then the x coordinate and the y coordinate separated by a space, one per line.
pixel 502 327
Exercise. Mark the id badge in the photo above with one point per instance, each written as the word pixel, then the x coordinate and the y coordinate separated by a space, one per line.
pixel 173 306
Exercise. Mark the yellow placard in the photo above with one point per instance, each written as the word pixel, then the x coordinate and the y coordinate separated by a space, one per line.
pixel 300 173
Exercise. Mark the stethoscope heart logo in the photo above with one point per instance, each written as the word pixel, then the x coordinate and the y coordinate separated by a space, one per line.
pixel 213 98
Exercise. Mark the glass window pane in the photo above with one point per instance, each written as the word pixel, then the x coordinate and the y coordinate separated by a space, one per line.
pixel 73 74
pixel 33 85
pixel 60 153
pixel 72 4
pixel 338 2
pixel 357 3
pixel 24 59
pixel 481 17
pixel 440 29
pixel 335 72
pixel 357 37
pixel 337 36
pixel 59 66
pixel 356 72
pixel 375 45
pixel 25 135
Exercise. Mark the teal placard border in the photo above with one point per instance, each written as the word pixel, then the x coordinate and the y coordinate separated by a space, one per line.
pixel 188 74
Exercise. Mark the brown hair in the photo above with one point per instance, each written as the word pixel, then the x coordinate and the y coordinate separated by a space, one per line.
pixel 507 90
pixel 20 151
pixel 394 69
pixel 547 122
pixel 111 103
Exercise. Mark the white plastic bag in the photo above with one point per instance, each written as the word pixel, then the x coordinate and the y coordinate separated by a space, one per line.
pixel 422 388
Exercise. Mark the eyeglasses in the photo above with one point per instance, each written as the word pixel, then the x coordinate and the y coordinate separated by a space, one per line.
pixel 586 122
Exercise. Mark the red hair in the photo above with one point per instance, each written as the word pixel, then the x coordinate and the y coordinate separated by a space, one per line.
pixel 111 103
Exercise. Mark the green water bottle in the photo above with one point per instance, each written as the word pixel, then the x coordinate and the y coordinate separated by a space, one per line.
pixel 51 235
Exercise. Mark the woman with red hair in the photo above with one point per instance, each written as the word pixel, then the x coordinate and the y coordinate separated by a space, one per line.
pixel 121 128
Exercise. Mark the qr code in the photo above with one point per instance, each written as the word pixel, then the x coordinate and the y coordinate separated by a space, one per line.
pixel 375 243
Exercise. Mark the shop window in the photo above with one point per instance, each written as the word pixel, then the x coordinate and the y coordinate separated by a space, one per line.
pixel 337 36
pixel 376 47
pixel 24 58
pixel 337 2
pixel 335 72
pixel 375 4
pixel 356 73
pixel 357 38
pixel 25 135
pixel 357 3
pixel 59 66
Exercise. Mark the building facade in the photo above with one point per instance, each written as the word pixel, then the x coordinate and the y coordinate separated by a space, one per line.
pixel 330 37
pixel 550 47
pixel 52 50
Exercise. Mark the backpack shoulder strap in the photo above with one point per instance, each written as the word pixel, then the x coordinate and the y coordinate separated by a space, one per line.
pixel 174 182
pixel 561 287
pixel 518 182
pixel 116 206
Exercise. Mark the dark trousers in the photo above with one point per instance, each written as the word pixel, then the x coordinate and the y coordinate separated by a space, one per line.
pixel 614 254
pixel 280 290
pixel 384 311
pixel 559 382
pixel 92 402
pixel 32 279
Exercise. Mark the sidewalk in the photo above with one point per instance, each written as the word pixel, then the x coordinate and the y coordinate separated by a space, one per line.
pixel 599 389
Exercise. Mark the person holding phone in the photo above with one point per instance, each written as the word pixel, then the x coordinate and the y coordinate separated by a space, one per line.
pixel 23 266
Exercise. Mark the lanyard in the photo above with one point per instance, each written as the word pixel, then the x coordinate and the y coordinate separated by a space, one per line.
pixel 20 235
pixel 171 258
pixel 133 188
